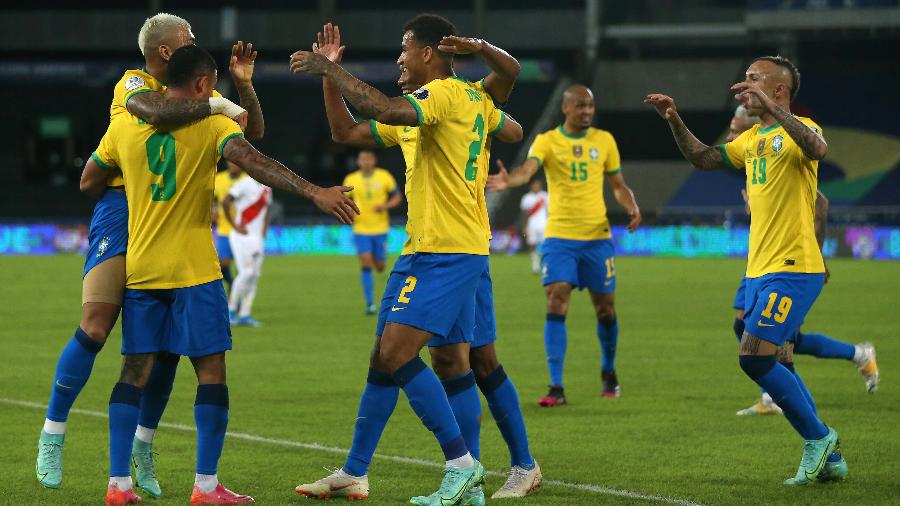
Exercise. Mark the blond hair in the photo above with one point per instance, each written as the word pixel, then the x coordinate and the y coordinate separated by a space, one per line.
pixel 156 28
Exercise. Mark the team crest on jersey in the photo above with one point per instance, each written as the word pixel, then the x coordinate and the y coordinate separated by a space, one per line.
pixel 134 82
pixel 103 246
pixel 777 143
pixel 576 151
pixel 594 153
pixel 760 147
pixel 421 94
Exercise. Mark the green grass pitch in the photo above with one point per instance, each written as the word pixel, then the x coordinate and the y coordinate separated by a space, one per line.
pixel 672 435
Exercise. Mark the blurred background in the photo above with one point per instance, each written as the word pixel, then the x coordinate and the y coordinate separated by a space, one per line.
pixel 61 59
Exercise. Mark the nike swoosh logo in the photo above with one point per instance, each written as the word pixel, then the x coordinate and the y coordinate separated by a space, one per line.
pixel 397 308
pixel 342 487
pixel 455 499
pixel 761 324
pixel 607 283
pixel 63 386
pixel 820 466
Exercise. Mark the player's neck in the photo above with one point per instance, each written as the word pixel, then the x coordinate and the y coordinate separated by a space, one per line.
pixel 573 131
pixel 157 69
pixel 438 72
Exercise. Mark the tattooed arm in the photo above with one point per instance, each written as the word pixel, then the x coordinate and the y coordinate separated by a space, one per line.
pixel 272 173
pixel 700 155
pixel 811 142
pixel 241 66
pixel 366 99
pixel 167 112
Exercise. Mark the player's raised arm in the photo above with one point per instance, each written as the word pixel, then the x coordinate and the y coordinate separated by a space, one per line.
pixel 366 99
pixel 511 179
pixel 272 173
pixel 241 67
pixel 700 155
pixel 344 127
pixel 504 68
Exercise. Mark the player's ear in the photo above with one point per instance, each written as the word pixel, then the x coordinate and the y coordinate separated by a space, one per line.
pixel 164 52
pixel 427 54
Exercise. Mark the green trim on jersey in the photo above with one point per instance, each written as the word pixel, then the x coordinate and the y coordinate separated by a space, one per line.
pixel 769 128
pixel 421 117
pixel 566 134
pixel 538 160
pixel 103 165
pixel 133 93
pixel 226 139
pixel 460 79
pixel 500 125
pixel 725 156
pixel 375 133
pixel 614 171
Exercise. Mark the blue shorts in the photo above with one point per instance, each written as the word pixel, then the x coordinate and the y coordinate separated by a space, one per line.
pixel 777 303
pixel 740 298
pixel 190 321
pixel 374 244
pixel 223 247
pixel 485 318
pixel 434 292
pixel 582 264
pixel 108 235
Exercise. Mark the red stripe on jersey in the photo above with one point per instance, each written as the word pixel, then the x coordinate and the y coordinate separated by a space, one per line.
pixel 257 207
pixel 535 208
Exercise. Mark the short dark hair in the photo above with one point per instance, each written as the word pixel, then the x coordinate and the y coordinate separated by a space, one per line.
pixel 189 62
pixel 783 62
pixel 429 29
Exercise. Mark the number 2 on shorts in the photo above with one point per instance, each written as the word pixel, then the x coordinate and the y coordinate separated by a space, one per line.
pixel 408 288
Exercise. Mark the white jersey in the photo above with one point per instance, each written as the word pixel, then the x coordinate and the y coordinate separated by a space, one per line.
pixel 535 206
pixel 251 204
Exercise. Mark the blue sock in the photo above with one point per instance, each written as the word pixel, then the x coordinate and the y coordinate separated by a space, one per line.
pixel 466 405
pixel 503 401
pixel 368 284
pixel 608 333
pixel 427 398
pixel 555 346
pixel 72 372
pixel 375 408
pixel 211 417
pixel 124 405
pixel 157 390
pixel 738 328
pixel 786 392
pixel 806 393
pixel 822 346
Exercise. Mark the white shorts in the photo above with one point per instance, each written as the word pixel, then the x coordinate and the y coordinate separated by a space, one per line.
pixel 248 251
pixel 534 235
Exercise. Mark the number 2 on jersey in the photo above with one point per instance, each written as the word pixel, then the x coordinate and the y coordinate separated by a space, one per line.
pixel 475 148
pixel 161 161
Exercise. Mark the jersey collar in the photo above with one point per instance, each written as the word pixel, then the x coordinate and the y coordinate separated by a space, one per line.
pixel 570 136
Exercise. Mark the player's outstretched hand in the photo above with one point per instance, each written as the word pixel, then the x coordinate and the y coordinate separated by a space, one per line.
pixel 328 43
pixel 242 61
pixel 333 201
pixel 750 94
pixel 664 105
pixel 460 45
pixel 635 219
pixel 308 62
pixel 499 181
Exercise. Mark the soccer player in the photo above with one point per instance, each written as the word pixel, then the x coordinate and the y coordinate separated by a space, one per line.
pixel 430 295
pixel 525 476
pixel 176 303
pixel 578 249
pixel 224 180
pixel 785 268
pixel 247 211
pixel 534 205
pixel 375 193
pixel 141 93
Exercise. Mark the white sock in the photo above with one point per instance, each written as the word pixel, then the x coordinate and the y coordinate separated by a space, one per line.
pixel 144 434
pixel 767 399
pixel 123 482
pixel 857 356
pixel 51 427
pixel 463 462
pixel 206 482
pixel 344 474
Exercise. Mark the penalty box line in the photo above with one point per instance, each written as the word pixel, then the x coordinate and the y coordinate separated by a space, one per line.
pixel 587 487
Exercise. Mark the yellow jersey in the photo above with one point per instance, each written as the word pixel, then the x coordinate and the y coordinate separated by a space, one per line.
pixel 368 193
pixel 223 183
pixel 133 82
pixel 445 183
pixel 169 180
pixel 781 186
pixel 575 167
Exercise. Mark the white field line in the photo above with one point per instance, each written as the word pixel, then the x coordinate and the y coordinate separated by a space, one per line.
pixel 587 487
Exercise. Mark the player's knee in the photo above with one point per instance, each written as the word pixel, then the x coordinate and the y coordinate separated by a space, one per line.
pixel 98 331
pixel 379 265
pixel 738 328
pixel 136 369
pixel 756 366
pixel 606 313
pixel 558 301
pixel 483 361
